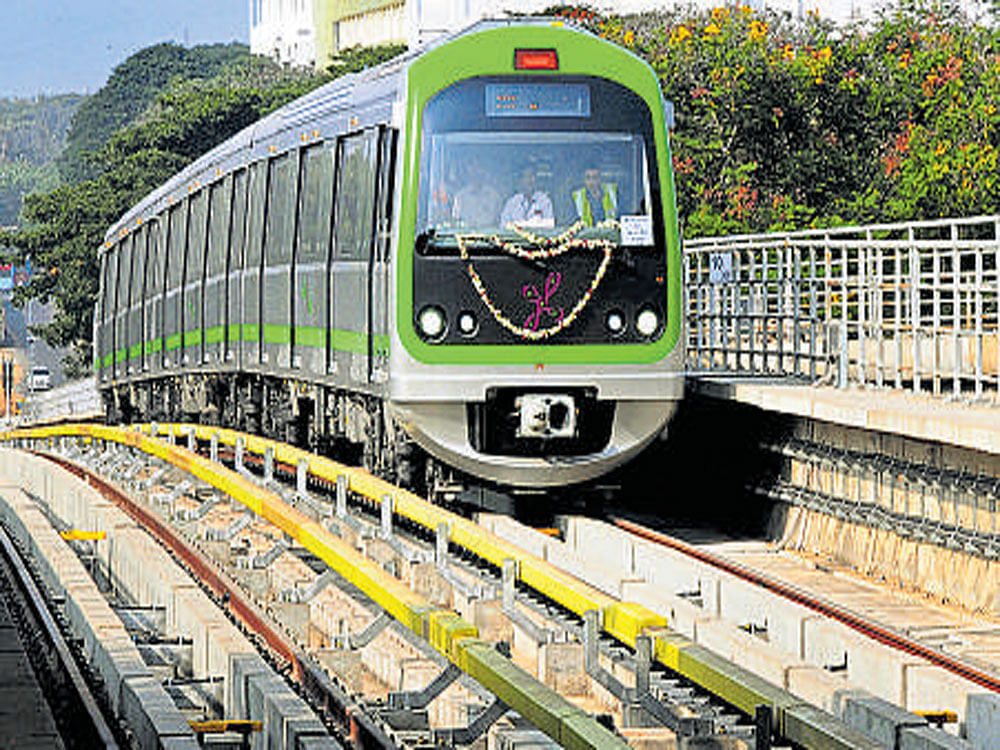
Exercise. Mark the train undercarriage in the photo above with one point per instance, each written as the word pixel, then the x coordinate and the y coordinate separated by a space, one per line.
pixel 349 426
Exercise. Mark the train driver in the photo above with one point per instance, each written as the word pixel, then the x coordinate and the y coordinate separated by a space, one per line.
pixel 596 200
pixel 528 205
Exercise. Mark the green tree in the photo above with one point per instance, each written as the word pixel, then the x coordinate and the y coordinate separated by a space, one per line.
pixel 130 90
pixel 32 132
pixel 182 120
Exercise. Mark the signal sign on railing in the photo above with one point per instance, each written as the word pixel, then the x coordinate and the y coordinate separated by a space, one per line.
pixel 720 268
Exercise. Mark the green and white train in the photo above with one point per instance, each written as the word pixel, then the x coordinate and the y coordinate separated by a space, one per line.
pixel 338 274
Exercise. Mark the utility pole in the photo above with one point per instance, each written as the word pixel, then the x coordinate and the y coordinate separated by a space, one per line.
pixel 8 385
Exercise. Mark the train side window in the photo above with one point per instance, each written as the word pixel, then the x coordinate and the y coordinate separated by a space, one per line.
pixel 154 262
pixel 237 231
pixel 218 229
pixel 280 212
pixel 139 262
pixel 355 195
pixel 258 196
pixel 315 204
pixel 386 190
pixel 110 274
pixel 175 249
pixel 196 238
pixel 100 309
pixel 124 273
pixel 103 290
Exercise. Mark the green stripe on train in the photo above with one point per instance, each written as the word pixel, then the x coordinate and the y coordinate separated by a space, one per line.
pixel 312 337
pixel 215 335
pixel 277 334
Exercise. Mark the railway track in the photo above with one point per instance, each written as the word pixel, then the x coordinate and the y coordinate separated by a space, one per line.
pixel 845 643
pixel 869 626
pixel 69 714
pixel 626 646
pixel 530 698
pixel 326 694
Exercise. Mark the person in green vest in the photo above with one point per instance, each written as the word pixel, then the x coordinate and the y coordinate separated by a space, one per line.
pixel 596 200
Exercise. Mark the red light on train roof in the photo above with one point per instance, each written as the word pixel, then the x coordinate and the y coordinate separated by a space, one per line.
pixel 536 59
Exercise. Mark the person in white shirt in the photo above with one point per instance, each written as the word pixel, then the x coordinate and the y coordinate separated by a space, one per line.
pixel 527 206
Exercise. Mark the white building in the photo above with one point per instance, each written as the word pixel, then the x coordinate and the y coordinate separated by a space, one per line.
pixel 284 30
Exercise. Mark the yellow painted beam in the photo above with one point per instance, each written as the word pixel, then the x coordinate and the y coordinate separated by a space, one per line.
pixel 213 726
pixel 445 630
pixel 623 620
pixel 79 535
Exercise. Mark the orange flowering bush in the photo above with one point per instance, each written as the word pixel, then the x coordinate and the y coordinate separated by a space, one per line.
pixel 787 124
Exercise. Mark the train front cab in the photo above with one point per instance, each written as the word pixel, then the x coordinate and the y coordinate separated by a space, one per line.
pixel 544 354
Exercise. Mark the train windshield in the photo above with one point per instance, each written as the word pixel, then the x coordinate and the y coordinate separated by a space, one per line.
pixel 520 157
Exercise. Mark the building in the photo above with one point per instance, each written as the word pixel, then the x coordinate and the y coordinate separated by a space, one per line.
pixel 284 30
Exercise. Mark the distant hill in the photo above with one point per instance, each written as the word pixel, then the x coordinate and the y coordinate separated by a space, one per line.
pixel 132 87
pixel 32 134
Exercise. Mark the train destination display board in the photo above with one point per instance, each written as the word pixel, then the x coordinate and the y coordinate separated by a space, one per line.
pixel 537 100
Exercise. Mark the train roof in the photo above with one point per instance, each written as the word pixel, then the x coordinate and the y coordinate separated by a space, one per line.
pixel 348 91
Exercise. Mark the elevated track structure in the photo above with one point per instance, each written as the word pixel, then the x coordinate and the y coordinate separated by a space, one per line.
pixel 864 361
pixel 778 714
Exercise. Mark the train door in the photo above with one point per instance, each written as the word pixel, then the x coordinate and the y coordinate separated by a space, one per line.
pixel 279 227
pixel 215 270
pixel 192 313
pixel 134 325
pixel 311 258
pixel 378 308
pixel 172 331
pixel 355 202
pixel 153 336
pixel 234 278
pixel 251 273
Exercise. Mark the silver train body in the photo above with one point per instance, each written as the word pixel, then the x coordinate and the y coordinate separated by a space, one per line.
pixel 273 286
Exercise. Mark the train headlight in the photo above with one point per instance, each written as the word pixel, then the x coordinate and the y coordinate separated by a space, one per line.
pixel 647 322
pixel 432 322
pixel 614 321
pixel 467 323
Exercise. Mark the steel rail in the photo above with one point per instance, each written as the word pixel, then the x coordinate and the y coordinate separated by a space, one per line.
pixel 84 719
pixel 447 632
pixel 625 621
pixel 881 633
pixel 793 718
pixel 354 720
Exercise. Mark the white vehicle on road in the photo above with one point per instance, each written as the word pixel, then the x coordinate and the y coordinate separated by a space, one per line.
pixel 40 379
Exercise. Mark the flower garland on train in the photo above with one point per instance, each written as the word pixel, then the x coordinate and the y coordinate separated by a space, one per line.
pixel 546 248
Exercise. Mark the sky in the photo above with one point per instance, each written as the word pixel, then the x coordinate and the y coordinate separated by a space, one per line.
pixel 61 46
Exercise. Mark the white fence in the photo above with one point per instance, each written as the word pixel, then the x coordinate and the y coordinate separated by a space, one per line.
pixel 75 401
pixel 891 305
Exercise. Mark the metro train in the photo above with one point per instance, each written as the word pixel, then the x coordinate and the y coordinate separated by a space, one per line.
pixel 401 264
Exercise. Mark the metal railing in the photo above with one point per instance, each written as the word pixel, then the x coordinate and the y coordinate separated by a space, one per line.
pixel 907 306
